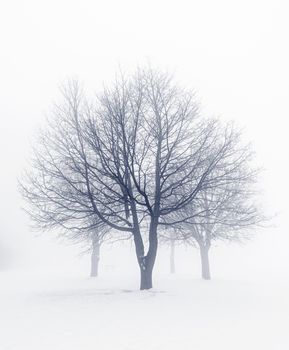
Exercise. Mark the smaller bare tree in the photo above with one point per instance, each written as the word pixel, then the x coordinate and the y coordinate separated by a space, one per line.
pixel 226 209
pixel 55 189
pixel 93 238
pixel 170 237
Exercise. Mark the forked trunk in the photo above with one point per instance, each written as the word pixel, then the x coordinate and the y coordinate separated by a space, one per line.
pixel 95 258
pixel 146 263
pixel 204 251
pixel 146 281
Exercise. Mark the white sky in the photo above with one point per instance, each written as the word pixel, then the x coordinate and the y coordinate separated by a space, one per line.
pixel 234 53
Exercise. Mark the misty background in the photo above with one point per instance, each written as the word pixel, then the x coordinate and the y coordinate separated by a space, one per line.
pixel 234 54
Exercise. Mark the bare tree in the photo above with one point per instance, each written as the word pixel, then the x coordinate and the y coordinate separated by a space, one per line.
pixel 133 159
pixel 227 210
pixel 152 156
pixel 55 187
pixel 170 237
pixel 95 237
pixel 172 253
pixel 95 255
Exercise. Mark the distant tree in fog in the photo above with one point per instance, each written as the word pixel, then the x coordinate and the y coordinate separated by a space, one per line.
pixel 92 237
pixel 170 237
pixel 54 187
pixel 226 210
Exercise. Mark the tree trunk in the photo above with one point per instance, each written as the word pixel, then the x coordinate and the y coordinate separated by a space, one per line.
pixel 146 263
pixel 95 257
pixel 172 256
pixel 204 251
pixel 146 281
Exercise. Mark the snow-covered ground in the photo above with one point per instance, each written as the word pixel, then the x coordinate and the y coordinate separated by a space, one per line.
pixel 60 311
pixel 48 302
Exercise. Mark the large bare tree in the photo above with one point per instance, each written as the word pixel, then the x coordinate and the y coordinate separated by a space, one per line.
pixel 152 156
pixel 132 159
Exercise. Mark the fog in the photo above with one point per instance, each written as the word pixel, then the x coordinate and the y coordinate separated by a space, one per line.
pixel 234 54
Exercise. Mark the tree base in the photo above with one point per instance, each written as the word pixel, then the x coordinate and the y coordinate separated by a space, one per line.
pixel 146 280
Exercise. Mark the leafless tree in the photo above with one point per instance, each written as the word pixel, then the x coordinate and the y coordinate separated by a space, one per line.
pixel 227 210
pixel 169 236
pixel 55 187
pixel 133 159
pixel 94 237
pixel 153 155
